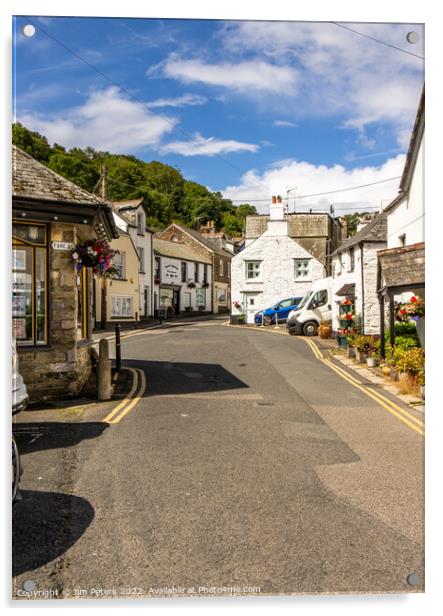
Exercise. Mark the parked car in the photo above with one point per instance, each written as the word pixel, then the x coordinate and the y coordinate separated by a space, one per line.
pixel 315 307
pixel 19 393
pixel 280 310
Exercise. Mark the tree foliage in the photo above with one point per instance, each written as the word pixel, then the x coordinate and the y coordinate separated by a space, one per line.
pixel 167 196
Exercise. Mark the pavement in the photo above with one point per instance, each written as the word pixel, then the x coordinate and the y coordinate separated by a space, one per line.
pixel 245 463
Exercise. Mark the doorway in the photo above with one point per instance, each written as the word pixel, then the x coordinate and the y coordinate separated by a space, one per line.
pixel 176 301
pixel 251 305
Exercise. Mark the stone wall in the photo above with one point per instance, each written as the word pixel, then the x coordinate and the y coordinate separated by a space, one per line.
pixel 62 367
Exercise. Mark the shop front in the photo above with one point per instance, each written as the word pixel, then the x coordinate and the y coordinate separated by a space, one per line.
pixel 51 300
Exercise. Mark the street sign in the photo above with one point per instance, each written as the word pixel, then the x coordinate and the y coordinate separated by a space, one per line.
pixel 62 246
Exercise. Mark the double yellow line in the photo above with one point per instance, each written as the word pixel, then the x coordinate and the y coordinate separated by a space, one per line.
pixel 136 392
pixel 407 418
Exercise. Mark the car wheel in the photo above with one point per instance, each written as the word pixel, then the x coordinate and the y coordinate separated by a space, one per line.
pixel 267 320
pixel 310 328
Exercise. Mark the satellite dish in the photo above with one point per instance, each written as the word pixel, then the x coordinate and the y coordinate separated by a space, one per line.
pixel 412 37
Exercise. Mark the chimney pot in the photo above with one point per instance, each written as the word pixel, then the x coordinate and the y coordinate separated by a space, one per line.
pixel 274 199
pixel 279 199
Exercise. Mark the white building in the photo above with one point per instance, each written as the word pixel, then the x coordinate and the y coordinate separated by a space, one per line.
pixel 271 268
pixel 134 214
pixel 402 264
pixel 182 278
pixel 354 273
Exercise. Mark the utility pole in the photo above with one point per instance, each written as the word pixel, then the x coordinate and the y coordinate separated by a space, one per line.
pixel 104 296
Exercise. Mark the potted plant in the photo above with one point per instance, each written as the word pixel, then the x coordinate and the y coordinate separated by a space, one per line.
pixel 342 338
pixel 156 280
pixel 325 329
pixel 96 254
pixel 363 345
pixel 351 337
pixel 372 349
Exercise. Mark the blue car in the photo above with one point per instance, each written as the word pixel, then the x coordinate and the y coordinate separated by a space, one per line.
pixel 281 309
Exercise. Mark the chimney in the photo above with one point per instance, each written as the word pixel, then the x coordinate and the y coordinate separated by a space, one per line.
pixel 363 222
pixel 278 222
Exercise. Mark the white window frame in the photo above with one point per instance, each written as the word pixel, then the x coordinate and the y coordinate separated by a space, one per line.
pixel 141 255
pixel 298 272
pixel 122 306
pixel 140 223
pixel 221 267
pixel 120 266
pixel 256 269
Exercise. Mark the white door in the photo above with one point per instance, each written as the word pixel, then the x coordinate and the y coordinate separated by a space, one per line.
pixel 251 306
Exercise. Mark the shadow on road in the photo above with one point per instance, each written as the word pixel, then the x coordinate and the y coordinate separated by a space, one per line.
pixel 39 436
pixel 44 526
pixel 172 378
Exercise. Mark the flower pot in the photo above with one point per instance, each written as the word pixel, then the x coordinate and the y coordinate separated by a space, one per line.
pixel 393 373
pixel 342 341
pixel 360 356
pixel 371 362
pixel 386 370
pixel 324 331
pixel 350 352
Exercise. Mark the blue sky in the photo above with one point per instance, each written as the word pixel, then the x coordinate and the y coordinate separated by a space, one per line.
pixel 245 107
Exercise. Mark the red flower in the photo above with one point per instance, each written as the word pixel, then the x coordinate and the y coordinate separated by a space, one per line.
pixel 413 299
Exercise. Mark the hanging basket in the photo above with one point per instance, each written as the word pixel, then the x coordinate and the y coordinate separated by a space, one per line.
pixel 95 254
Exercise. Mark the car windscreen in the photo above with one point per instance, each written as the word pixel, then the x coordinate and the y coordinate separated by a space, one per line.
pixel 306 296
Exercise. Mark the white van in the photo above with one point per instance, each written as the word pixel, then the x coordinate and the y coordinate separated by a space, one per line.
pixel 315 307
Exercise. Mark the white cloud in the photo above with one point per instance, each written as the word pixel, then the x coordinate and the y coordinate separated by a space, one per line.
pixel 179 101
pixel 107 121
pixel 284 123
pixel 247 76
pixel 201 146
pixel 313 179
pixel 340 72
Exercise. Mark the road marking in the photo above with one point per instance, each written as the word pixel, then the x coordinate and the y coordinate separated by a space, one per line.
pixel 128 398
pixel 407 418
pixel 134 401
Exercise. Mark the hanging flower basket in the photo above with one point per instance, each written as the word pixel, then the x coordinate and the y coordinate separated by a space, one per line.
pixel 205 285
pixel 414 309
pixel 191 284
pixel 156 280
pixel 237 305
pixel 95 254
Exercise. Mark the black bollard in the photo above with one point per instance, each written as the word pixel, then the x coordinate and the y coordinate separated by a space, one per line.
pixel 118 348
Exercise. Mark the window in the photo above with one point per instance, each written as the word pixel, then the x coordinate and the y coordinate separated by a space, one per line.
pixel 82 304
pixel 29 284
pixel 157 268
pixel 302 269
pixel 319 299
pixel 286 303
pixel 141 254
pixel 188 302
pixel 196 278
pixel 351 260
pixel 221 267
pixel 205 273
pixel 140 223
pixel 200 296
pixel 121 306
pixel 252 269
pixel 184 271
pixel 119 262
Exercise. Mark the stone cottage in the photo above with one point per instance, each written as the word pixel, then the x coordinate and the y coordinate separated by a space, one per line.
pixel 51 302
pixel 271 268
pixel 354 273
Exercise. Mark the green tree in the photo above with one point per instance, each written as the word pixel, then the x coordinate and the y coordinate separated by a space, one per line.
pixel 31 142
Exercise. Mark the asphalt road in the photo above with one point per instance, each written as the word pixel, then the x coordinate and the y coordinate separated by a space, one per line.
pixel 248 465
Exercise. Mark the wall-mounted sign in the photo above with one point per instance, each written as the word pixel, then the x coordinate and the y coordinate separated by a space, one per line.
pixel 171 271
pixel 62 245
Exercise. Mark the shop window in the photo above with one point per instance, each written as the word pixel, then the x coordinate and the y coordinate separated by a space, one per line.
pixel 29 284
pixel 188 300
pixel 200 297
pixel 82 304
pixel 121 306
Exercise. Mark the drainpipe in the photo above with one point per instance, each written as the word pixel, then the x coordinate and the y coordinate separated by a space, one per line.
pixel 362 289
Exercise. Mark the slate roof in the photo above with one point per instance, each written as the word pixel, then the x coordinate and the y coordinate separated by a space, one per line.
pixel 201 238
pixel 374 231
pixel 346 290
pixel 177 250
pixel 128 203
pixel 31 179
